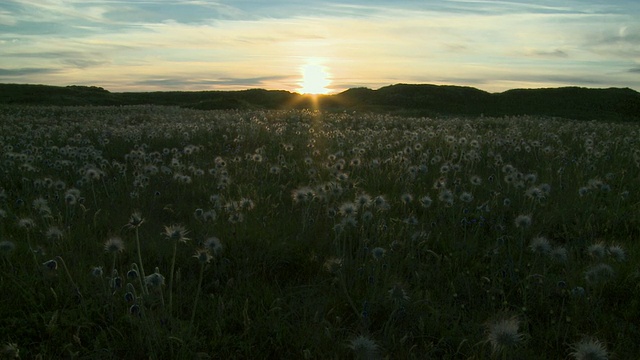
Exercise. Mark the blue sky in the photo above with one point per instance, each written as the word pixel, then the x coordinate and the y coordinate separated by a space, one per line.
pixel 149 45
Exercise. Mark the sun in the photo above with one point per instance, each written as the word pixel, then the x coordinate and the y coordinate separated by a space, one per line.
pixel 315 78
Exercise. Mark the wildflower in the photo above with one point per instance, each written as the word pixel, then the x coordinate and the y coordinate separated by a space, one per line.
pixel 598 273
pixel 349 222
pixel 398 295
pixel 26 223
pixel 302 194
pixel 503 334
pixel 406 198
pixel 114 245
pixel 236 217
pixel 378 253
pixel 540 245
pixel 51 264
pixel 342 176
pixel 247 204
pixel 209 216
pixel 333 265
pixel 363 200
pixel 132 274
pixel 176 233
pixel 578 291
pixel 213 245
pixel 154 280
pixel 380 202
pixel 96 271
pixel 10 351
pixel 446 196
pixel 589 349
pixel 597 250
pixel 134 310
pixel 348 209
pixel 523 221
pixel 135 220
pixel 617 253
pixel 6 247
pixel 363 347
pixel 203 256
pixel 426 201
pixel 41 204
pixel 583 191
pixel 54 234
pixel 476 180
pixel 466 197
pixel 559 254
pixel 535 193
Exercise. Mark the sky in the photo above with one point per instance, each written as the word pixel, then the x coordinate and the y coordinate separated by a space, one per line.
pixel 319 46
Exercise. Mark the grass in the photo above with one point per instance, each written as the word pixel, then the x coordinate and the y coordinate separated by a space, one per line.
pixel 336 235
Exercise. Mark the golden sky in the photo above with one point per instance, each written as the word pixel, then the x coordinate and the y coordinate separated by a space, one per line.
pixel 158 45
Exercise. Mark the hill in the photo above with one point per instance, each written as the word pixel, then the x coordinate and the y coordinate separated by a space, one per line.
pixel 405 99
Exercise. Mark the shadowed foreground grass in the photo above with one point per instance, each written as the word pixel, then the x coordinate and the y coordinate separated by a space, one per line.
pixel 158 232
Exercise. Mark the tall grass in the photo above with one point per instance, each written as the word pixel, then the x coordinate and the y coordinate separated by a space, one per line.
pixel 317 235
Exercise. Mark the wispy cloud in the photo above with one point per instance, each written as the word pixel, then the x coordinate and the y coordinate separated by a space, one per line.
pixel 8 73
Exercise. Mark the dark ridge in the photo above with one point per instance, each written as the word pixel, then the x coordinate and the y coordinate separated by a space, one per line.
pixel 620 104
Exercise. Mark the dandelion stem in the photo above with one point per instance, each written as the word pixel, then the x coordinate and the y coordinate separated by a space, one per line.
pixel 195 302
pixel 66 270
pixel 33 253
pixel 173 265
pixel 145 291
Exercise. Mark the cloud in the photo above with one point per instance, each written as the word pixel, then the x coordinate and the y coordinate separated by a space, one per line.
pixel 635 70
pixel 84 63
pixel 26 71
pixel 557 53
pixel 190 83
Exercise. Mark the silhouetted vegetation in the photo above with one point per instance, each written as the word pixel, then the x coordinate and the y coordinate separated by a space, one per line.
pixel 402 99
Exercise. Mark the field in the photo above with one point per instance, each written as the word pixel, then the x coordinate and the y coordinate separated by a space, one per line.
pixel 158 232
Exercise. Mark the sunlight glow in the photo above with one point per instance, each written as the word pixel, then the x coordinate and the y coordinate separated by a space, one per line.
pixel 315 78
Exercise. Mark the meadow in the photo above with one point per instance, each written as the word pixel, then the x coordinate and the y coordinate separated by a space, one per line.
pixel 158 232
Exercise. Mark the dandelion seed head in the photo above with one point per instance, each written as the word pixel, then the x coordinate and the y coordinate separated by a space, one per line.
pixel 466 197
pixel 26 223
pixel 398 294
pixel 135 220
pixel 597 250
pixel 503 334
pixel 348 209
pixel 599 273
pixel 617 253
pixel 114 245
pixel 378 253
pixel 426 201
pixel 10 351
pixel 589 349
pixel 523 221
pixel 333 265
pixel 540 245
pixel 363 347
pixel 176 233
pixel 6 247
pixel 213 244
pixel 154 280
pixel 203 256
pixel 559 254
pixel 97 271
